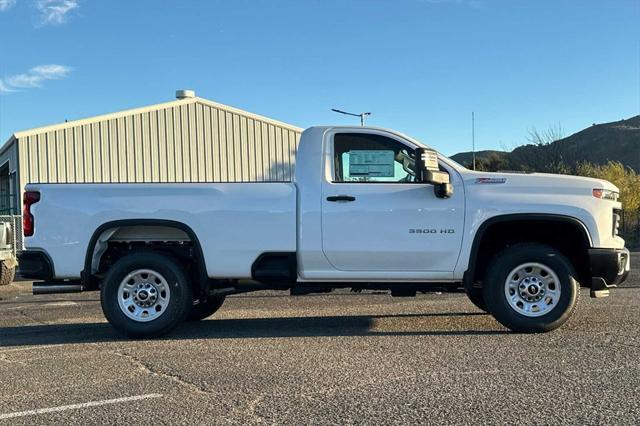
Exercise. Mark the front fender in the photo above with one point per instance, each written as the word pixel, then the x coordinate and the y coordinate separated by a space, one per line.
pixel 478 225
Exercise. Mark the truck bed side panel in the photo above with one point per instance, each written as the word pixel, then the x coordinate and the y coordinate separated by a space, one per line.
pixel 234 222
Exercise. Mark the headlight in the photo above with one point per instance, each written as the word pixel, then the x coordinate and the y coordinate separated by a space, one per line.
pixel 605 194
pixel 617 214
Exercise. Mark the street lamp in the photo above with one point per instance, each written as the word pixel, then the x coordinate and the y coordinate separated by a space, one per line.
pixel 361 115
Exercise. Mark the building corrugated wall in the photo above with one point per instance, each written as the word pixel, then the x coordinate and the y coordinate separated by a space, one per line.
pixel 188 140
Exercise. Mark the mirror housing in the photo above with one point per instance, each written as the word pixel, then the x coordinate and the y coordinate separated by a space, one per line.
pixel 443 190
pixel 428 171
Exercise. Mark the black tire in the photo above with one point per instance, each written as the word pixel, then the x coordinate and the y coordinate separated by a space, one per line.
pixel 494 288
pixel 201 310
pixel 7 275
pixel 177 307
pixel 477 298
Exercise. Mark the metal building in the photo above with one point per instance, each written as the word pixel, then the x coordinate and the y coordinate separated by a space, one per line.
pixel 189 139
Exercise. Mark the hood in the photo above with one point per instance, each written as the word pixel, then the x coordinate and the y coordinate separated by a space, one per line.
pixel 544 181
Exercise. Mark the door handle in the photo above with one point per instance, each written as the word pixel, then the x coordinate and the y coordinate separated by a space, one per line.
pixel 341 198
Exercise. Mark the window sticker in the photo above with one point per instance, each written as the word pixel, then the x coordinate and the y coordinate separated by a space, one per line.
pixel 371 163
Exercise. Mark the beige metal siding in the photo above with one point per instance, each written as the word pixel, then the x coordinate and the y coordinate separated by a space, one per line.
pixel 183 141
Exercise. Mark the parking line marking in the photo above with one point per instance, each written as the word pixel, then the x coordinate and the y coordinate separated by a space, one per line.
pixel 62 303
pixel 77 406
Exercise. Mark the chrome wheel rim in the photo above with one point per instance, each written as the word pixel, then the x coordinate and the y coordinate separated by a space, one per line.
pixel 143 295
pixel 532 289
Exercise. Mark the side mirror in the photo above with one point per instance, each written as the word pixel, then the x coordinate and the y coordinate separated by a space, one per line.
pixel 443 190
pixel 428 171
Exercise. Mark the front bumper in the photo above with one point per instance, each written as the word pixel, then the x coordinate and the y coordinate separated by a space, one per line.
pixel 609 267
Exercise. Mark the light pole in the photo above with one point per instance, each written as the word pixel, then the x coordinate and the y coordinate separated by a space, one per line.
pixel 361 115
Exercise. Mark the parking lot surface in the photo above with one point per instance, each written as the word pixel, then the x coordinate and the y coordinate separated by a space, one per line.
pixel 336 358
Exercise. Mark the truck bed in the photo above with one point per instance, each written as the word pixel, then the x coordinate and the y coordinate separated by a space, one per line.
pixel 232 221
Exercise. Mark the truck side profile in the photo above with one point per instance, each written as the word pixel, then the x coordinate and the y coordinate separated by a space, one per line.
pixel 369 208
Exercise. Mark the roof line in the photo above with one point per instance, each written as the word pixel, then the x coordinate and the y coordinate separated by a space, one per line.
pixel 96 118
pixel 249 114
pixel 132 111
pixel 7 144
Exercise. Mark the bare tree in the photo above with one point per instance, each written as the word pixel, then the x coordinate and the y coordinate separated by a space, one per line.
pixel 544 153
pixel 553 133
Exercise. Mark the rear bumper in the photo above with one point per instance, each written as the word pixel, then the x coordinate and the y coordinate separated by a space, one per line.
pixel 34 265
pixel 609 267
pixel 37 266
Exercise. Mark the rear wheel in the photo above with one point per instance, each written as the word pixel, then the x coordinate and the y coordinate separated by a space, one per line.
pixel 145 295
pixel 531 288
pixel 201 310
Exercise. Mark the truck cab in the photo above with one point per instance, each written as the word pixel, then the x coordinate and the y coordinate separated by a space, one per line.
pixel 365 213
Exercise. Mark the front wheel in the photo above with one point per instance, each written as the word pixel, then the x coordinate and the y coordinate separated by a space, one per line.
pixel 531 288
pixel 477 298
pixel 145 295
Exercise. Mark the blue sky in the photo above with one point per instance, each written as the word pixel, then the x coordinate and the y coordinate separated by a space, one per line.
pixel 421 66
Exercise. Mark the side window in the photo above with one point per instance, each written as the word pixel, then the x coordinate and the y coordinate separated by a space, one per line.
pixel 366 157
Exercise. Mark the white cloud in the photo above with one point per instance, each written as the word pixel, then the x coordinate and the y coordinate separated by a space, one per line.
pixel 4 88
pixel 35 77
pixel 6 4
pixel 51 71
pixel 24 80
pixel 51 12
pixel 55 12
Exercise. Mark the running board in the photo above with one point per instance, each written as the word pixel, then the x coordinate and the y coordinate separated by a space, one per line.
pixel 228 290
pixel 56 287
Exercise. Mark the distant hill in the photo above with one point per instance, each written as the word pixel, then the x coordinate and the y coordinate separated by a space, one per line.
pixel 598 144
pixel 467 157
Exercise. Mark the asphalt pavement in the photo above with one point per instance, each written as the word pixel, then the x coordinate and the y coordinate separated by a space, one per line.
pixel 342 358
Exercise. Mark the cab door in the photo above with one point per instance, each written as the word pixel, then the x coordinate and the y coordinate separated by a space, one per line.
pixel 375 217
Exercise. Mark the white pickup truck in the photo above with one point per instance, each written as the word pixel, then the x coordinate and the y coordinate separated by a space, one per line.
pixel 369 208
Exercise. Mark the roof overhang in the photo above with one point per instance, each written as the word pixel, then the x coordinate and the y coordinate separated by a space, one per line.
pixel 8 144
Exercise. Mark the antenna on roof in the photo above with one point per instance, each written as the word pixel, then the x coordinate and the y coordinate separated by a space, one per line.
pixel 473 138
pixel 361 115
